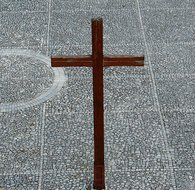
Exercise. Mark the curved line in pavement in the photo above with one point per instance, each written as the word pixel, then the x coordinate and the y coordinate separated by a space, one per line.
pixel 59 80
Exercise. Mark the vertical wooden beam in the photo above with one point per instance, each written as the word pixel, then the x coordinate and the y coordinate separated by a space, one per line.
pixel 97 61
pixel 97 57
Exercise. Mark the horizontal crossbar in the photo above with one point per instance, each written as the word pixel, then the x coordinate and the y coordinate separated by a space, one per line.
pixel 123 61
pixel 71 61
pixel 87 61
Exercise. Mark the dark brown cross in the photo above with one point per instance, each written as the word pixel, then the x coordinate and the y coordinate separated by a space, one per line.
pixel 97 61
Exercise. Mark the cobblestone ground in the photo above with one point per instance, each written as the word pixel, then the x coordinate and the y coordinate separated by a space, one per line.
pixel 46 114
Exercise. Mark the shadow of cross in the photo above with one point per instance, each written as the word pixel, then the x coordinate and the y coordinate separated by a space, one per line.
pixel 97 61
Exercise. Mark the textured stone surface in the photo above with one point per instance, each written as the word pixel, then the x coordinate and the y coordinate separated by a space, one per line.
pixel 165 4
pixel 61 5
pixel 20 141
pixel 75 96
pixel 149 111
pixel 185 179
pixel 75 29
pixel 23 5
pixel 176 92
pixel 66 180
pixel 19 182
pixel 23 29
pixel 125 94
pixel 180 130
pixel 139 180
pixel 168 25
pixel 110 4
pixel 68 139
pixel 23 78
pixel 27 79
pixel 172 59
pixel 135 141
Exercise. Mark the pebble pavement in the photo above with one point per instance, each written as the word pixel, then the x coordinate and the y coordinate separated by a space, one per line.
pixel 46 114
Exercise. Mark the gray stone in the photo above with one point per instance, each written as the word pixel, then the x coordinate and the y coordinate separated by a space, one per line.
pixel 128 93
pixel 23 78
pixel 168 25
pixel 60 5
pixel 134 141
pixel 22 88
pixel 49 143
pixel 166 4
pixel 75 96
pixel 172 59
pixel 23 29
pixel 20 141
pixel 110 4
pixel 119 28
pixel 185 179
pixel 64 180
pixel 68 141
pixel 180 132
pixel 139 180
pixel 23 5
pixel 19 182
pixel 176 92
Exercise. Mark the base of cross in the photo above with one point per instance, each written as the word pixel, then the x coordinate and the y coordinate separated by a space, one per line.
pixel 97 61
pixel 99 177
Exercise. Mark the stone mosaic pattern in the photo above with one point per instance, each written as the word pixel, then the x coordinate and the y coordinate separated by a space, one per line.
pixel 185 180
pixel 105 5
pixel 176 92
pixel 166 4
pixel 63 136
pixel 168 25
pixel 66 180
pixel 19 181
pixel 47 144
pixel 125 94
pixel 22 88
pixel 64 32
pixel 180 135
pixel 23 29
pixel 23 5
pixel 26 74
pixel 173 59
pixel 20 141
pixel 140 180
pixel 135 141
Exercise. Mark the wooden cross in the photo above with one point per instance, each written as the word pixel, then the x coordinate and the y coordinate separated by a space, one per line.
pixel 97 61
